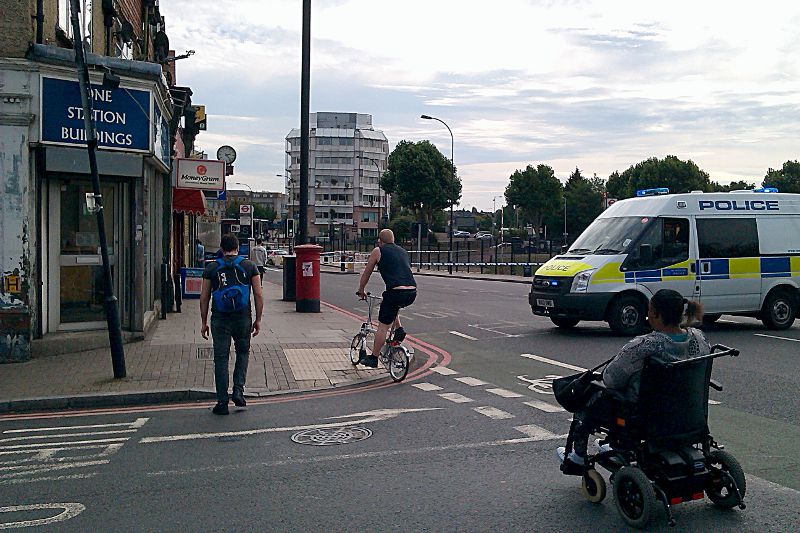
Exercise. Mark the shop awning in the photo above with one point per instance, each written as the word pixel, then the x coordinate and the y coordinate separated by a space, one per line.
pixel 189 201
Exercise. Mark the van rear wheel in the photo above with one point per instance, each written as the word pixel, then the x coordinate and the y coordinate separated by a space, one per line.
pixel 780 310
pixel 628 315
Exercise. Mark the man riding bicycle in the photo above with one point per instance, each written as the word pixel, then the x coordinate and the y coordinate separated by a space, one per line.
pixel 401 289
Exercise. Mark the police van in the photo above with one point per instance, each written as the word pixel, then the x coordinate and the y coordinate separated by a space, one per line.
pixel 738 253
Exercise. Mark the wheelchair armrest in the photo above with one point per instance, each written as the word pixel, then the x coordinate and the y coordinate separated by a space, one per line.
pixel 716 385
pixel 611 392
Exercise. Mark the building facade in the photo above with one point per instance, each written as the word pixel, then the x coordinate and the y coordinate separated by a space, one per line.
pixel 346 159
pixel 275 201
pixel 51 297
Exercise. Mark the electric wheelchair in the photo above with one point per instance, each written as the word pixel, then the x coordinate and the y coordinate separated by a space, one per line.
pixel 661 448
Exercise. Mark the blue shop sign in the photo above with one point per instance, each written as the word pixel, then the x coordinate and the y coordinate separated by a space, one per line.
pixel 122 116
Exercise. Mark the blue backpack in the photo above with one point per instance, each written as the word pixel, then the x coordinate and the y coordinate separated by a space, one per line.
pixel 233 291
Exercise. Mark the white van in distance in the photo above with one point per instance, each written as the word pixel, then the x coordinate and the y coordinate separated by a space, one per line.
pixel 738 253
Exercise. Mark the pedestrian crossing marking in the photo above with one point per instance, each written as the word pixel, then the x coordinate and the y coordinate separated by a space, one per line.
pixel 426 386
pixel 505 393
pixel 493 413
pixel 472 382
pixel 443 370
pixel 455 397
pixel 544 406
pixel 537 433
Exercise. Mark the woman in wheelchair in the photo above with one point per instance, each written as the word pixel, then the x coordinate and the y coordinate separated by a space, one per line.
pixel 671 340
pixel 652 405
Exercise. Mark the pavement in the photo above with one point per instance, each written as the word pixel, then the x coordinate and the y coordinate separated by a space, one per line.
pixel 294 352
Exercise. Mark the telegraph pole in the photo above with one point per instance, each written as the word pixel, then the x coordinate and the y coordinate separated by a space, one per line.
pixel 111 305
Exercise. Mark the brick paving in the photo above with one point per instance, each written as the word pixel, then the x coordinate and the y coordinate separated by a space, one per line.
pixel 295 351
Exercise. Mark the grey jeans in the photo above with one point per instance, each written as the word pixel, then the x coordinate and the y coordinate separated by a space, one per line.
pixel 223 329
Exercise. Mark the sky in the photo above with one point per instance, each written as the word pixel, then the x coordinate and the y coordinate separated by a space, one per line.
pixel 594 85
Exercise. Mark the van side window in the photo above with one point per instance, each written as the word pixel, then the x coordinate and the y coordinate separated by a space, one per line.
pixel 727 237
pixel 669 241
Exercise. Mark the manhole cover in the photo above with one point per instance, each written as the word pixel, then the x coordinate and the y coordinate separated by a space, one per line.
pixel 204 352
pixel 331 436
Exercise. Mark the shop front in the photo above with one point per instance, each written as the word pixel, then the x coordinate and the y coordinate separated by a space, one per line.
pixel 63 280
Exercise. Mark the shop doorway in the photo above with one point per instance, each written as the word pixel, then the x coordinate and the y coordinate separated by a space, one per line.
pixel 76 281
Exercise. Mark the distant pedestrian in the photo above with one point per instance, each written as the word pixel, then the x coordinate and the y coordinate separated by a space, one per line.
pixel 260 257
pixel 199 253
pixel 227 284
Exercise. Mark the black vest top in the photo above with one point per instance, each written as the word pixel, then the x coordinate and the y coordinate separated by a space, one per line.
pixel 395 267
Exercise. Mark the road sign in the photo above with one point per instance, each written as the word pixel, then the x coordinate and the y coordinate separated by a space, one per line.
pixel 245 209
pixel 610 202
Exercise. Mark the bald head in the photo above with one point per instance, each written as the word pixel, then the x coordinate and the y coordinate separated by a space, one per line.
pixel 386 236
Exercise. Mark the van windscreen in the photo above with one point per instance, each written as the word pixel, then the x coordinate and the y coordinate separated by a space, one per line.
pixel 609 236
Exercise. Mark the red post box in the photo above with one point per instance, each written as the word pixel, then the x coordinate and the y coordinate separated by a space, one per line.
pixel 306 276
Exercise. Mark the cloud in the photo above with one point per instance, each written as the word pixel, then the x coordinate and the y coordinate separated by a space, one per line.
pixel 584 83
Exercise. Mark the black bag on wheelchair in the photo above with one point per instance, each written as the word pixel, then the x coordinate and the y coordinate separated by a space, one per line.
pixel 573 392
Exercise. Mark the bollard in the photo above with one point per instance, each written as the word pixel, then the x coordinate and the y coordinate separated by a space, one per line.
pixel 289 292
pixel 307 278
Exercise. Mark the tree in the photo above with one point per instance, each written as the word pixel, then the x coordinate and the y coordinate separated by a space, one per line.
pixel 401 226
pixel 261 212
pixel 670 172
pixel 421 179
pixel 584 202
pixel 787 179
pixel 732 186
pixel 536 191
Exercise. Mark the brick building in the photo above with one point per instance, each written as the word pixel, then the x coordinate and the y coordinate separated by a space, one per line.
pixel 51 296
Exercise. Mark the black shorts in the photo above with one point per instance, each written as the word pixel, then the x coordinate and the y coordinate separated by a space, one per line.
pixel 393 301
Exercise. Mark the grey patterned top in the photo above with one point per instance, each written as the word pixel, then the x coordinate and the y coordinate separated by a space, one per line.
pixel 624 371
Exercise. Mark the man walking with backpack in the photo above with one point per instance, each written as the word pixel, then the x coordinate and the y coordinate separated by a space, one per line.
pixel 227 284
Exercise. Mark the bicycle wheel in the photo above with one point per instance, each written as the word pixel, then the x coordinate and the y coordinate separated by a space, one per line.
pixel 355 347
pixel 398 363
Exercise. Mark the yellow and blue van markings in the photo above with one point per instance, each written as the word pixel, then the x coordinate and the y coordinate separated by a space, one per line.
pixel 734 268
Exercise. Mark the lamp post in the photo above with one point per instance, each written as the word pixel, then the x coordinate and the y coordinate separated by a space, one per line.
pixel 494 205
pixel 565 220
pixel 385 196
pixel 453 201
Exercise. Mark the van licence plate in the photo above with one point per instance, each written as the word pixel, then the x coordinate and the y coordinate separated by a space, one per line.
pixel 544 303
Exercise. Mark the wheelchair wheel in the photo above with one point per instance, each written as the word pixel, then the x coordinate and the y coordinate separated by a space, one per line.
pixel 634 496
pixel 719 488
pixel 594 486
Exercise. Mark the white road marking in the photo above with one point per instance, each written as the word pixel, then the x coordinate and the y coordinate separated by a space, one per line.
pixel 70 510
pixel 356 456
pixel 713 402
pixel 544 406
pixel 505 393
pixel 455 397
pixel 139 422
pixel 776 337
pixel 472 382
pixel 426 386
pixel 443 370
pixel 48 478
pixel 370 416
pixel 56 444
pixel 551 362
pixel 538 433
pixel 724 321
pixel 25 469
pixel 62 435
pixel 493 413
pixel 464 335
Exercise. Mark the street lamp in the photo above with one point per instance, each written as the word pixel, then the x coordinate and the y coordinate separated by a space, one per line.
pixel 453 164
pixel 565 220
pixel 244 184
pixel 502 219
pixel 385 195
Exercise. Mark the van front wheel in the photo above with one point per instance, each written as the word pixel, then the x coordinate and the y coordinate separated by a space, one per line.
pixel 780 310
pixel 628 315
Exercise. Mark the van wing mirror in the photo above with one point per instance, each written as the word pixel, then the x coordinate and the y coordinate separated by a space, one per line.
pixel 645 254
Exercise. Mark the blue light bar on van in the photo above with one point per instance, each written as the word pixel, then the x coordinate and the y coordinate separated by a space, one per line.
pixel 652 192
pixel 766 189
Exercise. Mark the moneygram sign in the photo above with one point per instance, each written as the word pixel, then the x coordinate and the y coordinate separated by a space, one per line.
pixel 200 174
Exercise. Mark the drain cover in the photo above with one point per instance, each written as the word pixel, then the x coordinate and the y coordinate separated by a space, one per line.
pixel 205 352
pixel 331 436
